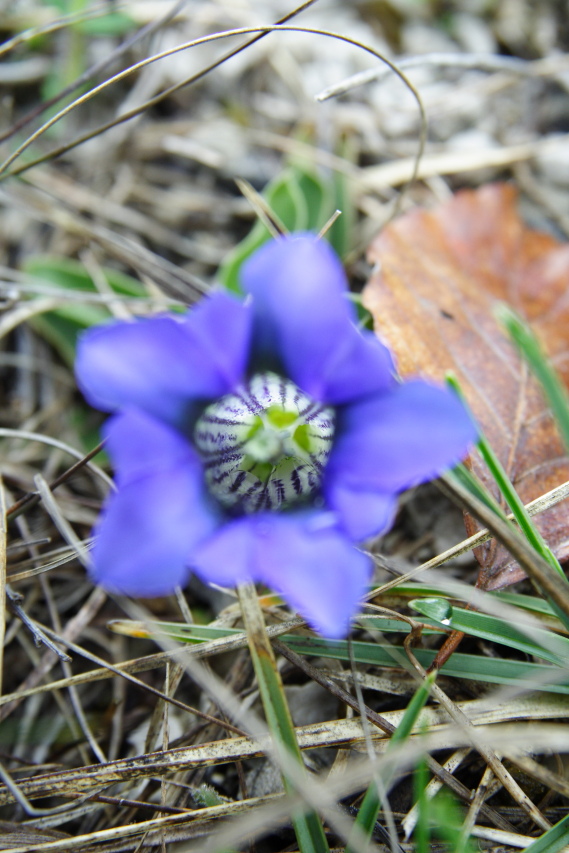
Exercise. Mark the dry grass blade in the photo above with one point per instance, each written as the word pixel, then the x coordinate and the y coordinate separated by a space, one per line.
pixel 400 756
pixel 74 628
pixel 314 798
pixel 40 637
pixel 60 521
pixel 478 62
pixel 51 26
pixel 33 497
pixel 342 733
pixel 383 723
pixel 307 824
pixel 150 662
pixel 264 213
pixel 128 677
pixel 172 278
pixel 13 319
pixel 446 163
pixel 142 828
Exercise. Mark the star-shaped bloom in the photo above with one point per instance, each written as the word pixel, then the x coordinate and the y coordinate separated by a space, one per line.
pixel 260 438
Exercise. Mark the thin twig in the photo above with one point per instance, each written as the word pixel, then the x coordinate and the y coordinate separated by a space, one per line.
pixel 6 432
pixel 40 638
pixel 172 89
pixel 32 498
pixel 6 172
pixel 126 675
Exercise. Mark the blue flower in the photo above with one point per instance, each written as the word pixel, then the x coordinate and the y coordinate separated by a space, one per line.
pixel 260 439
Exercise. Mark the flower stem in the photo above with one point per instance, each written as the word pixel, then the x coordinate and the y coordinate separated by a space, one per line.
pixel 307 825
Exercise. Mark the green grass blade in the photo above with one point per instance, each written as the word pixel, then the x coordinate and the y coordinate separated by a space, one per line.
pixel 555 393
pixel 525 602
pixel 198 633
pixel 542 644
pixel 522 674
pixel 529 348
pixel 62 326
pixel 307 825
pixel 369 810
pixel 475 487
pixel 412 711
pixel 553 840
pixel 520 513
pixel 446 820
pixel 554 586
pixel 299 198
pixel 422 831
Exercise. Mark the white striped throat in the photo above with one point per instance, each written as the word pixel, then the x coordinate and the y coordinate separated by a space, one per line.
pixel 265 446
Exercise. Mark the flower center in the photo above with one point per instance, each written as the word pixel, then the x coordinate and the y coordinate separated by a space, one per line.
pixel 266 446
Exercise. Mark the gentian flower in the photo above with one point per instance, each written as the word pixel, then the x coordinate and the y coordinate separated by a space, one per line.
pixel 260 439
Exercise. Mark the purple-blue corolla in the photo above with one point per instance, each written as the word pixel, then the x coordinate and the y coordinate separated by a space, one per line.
pixel 260 439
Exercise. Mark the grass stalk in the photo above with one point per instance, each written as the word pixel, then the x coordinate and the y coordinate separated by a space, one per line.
pixel 307 825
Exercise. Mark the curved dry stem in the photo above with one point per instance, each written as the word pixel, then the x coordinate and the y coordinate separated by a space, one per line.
pixel 152 101
pixel 6 432
pixel 98 67
pixel 260 31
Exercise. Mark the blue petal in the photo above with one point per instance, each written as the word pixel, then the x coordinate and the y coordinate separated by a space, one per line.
pixel 302 555
pixel 358 365
pixel 162 364
pixel 303 314
pixel 228 557
pixel 362 513
pixel 139 444
pixel 160 512
pixel 398 439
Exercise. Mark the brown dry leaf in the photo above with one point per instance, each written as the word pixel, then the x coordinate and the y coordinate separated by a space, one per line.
pixel 440 274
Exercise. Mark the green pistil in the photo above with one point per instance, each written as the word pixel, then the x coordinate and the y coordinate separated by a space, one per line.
pixel 302 438
pixel 260 452
pixel 261 470
pixel 281 434
pixel 279 418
